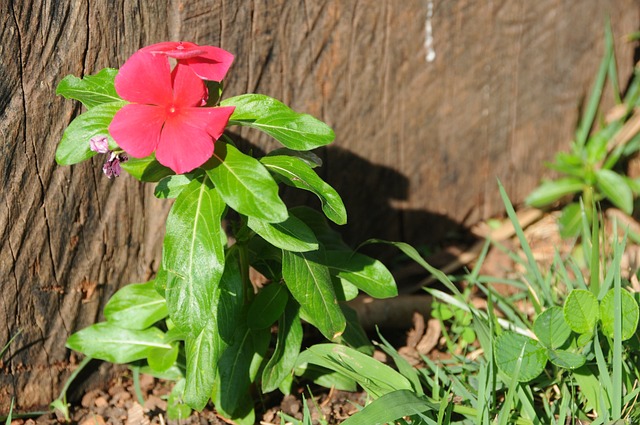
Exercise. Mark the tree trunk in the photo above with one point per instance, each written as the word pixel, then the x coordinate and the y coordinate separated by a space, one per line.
pixel 420 141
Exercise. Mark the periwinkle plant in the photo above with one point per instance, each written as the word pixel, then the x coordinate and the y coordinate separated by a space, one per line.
pixel 201 322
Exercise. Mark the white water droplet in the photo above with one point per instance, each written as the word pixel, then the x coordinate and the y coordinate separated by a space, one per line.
pixel 428 41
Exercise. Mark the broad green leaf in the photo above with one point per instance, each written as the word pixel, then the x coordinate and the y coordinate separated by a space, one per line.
pixel 327 237
pixel 551 329
pixel 310 158
pixel 245 185
pixel 176 408
pixel 136 306
pixel 374 376
pixel 552 190
pixel 325 377
pixel 202 352
pixel 389 407
pixel 291 234
pixel 570 221
pixel 238 367
pixel 310 284
pixel 297 173
pixel 161 359
pixel 171 186
pixel 368 274
pixel 284 357
pixel 629 314
pixel 345 290
pixel 74 146
pixel 106 341
pixel 193 255
pixel 267 306
pixel 174 373
pixel 354 335
pixel 615 188
pixel 146 169
pixel 566 359
pixel 508 347
pixel 581 311
pixel 229 300
pixel 92 90
pixel 296 131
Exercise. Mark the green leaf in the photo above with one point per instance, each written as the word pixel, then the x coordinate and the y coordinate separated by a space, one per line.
pixel 193 255
pixel 389 407
pixel 310 158
pixel 92 90
pixel 508 347
pixel 615 188
pixel 368 274
pixel 291 234
pixel 296 131
pixel 146 169
pixel 581 311
pixel 267 306
pixel 566 359
pixel 244 184
pixel 176 408
pixel 345 290
pixel 161 359
pixel 551 329
pixel 297 173
pixel 552 190
pixel 238 367
pixel 570 221
pixel 629 314
pixel 327 237
pixel 171 186
pixel 202 353
pixel 375 377
pixel 354 335
pixel 284 357
pixel 325 377
pixel 310 284
pixel 136 306
pixel 74 146
pixel 106 341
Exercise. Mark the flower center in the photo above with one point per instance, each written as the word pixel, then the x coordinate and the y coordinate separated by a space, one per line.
pixel 172 110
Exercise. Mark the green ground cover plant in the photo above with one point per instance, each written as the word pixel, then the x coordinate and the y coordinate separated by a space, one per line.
pixel 594 168
pixel 575 360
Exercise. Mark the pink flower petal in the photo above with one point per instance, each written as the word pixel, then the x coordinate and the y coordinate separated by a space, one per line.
pixel 215 120
pixel 211 66
pixel 188 89
pixel 183 147
pixel 145 78
pixel 175 49
pixel 137 128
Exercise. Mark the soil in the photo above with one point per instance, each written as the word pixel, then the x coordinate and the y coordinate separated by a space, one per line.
pixel 118 404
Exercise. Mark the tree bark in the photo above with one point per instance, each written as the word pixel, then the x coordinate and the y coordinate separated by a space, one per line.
pixel 419 143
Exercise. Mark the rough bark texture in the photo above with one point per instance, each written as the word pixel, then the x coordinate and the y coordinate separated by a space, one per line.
pixel 419 143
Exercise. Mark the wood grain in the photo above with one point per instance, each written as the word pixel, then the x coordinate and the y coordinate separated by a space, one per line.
pixel 419 145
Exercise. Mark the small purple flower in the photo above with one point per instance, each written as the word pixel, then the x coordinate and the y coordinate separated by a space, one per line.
pixel 111 167
pixel 99 144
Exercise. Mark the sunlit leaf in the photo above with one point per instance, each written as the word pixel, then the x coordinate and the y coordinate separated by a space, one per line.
pixel 244 184
pixel 92 90
pixel 295 131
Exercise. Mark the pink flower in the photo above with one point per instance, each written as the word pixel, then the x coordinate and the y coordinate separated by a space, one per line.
pixel 208 62
pixel 164 114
